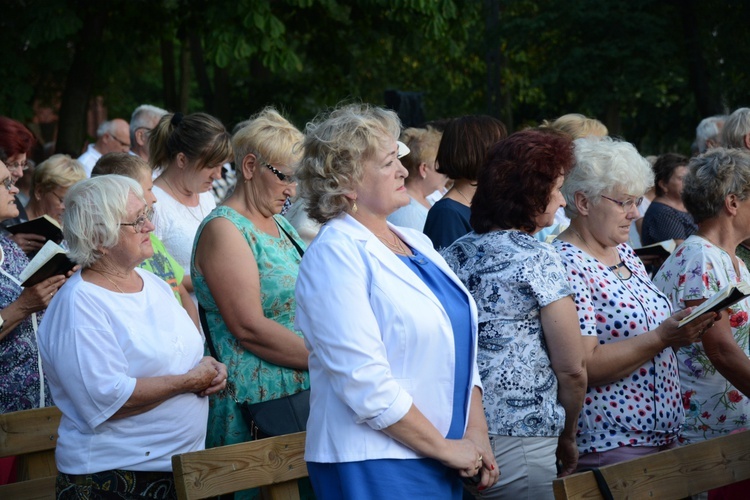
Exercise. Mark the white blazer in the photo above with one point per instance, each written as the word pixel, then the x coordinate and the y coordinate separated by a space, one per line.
pixel 379 341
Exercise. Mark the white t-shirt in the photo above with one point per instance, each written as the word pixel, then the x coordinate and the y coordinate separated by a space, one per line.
pixel 89 158
pixel 94 344
pixel 176 224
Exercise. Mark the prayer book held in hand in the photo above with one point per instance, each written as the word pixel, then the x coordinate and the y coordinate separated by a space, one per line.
pixel 44 225
pixel 50 261
pixel 726 297
pixel 661 249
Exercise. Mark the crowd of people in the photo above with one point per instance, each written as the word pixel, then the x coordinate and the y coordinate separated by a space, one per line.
pixel 450 311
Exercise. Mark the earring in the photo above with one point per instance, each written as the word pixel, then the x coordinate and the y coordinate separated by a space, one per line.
pixel 354 207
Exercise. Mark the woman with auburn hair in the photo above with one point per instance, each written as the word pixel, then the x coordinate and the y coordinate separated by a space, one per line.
pixel 188 152
pixel 461 153
pixel 16 142
pixel 530 350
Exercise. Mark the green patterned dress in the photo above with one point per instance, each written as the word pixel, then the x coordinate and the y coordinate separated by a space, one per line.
pixel 253 378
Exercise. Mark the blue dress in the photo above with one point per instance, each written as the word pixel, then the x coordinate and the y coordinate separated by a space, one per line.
pixel 416 478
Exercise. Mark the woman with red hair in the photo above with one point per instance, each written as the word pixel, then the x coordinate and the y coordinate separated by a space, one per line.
pixel 16 142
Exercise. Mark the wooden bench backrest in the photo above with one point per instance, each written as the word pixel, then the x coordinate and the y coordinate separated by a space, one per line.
pixel 31 435
pixel 275 462
pixel 672 474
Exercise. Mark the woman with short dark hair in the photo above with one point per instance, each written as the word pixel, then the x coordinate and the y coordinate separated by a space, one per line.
pixel 461 153
pixel 530 352
pixel 666 217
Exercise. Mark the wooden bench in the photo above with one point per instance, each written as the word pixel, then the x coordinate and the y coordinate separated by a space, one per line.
pixel 274 464
pixel 672 474
pixel 30 435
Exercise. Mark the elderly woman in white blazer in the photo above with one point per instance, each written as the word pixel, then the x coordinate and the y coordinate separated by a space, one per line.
pixel 396 406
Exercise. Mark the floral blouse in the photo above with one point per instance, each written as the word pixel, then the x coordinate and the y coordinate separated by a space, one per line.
pixel 697 270
pixel 644 408
pixel 512 276
pixel 22 382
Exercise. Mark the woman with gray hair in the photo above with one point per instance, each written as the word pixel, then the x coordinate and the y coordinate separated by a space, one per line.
pixel 396 400
pixel 715 373
pixel 124 361
pixel 632 405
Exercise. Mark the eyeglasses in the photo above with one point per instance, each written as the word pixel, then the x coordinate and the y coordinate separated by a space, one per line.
pixel 123 144
pixel 8 183
pixel 627 204
pixel 289 179
pixel 140 221
pixel 59 198
pixel 16 165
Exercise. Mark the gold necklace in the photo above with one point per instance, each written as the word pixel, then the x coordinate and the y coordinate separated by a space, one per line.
pixel 107 278
pixel 397 247
pixel 616 268
pixel 462 195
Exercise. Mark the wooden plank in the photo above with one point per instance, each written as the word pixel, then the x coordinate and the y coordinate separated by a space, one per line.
pixel 28 431
pixel 237 467
pixel 36 465
pixel 36 489
pixel 282 491
pixel 671 474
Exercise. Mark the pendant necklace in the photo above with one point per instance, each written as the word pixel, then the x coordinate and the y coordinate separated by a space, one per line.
pixel 616 268
pixel 108 279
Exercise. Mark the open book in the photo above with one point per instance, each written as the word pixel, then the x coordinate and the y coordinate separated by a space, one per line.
pixel 44 225
pixel 726 297
pixel 49 261
pixel 661 249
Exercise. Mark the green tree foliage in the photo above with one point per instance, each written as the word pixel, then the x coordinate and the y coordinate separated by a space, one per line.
pixel 650 69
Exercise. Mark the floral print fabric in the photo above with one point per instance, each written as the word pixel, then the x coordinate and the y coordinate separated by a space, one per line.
pixel 713 406
pixel 512 276
pixel 19 355
pixel 644 408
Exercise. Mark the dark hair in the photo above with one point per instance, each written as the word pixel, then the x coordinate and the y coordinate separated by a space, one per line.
pixel 515 183
pixel 465 143
pixel 664 167
pixel 123 164
pixel 15 138
pixel 199 136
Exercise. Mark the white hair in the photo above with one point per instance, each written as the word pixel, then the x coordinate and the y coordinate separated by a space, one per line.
pixel 708 129
pixel 736 128
pixel 604 165
pixel 94 209
pixel 107 127
pixel 143 116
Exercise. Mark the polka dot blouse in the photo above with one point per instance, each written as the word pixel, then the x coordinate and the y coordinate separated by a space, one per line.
pixel 644 408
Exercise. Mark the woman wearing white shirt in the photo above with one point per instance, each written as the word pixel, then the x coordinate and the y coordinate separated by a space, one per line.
pixel 189 151
pixel 396 402
pixel 124 361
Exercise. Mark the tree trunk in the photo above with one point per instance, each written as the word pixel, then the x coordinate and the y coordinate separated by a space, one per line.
pixel 706 100
pixel 169 80
pixel 184 75
pixel 78 84
pixel 201 74
pixel 222 104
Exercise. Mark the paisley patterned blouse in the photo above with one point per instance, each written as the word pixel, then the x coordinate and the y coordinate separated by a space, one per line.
pixel 644 408
pixel 512 276
pixel 713 406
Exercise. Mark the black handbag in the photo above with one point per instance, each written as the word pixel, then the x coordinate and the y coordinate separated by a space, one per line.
pixel 275 417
